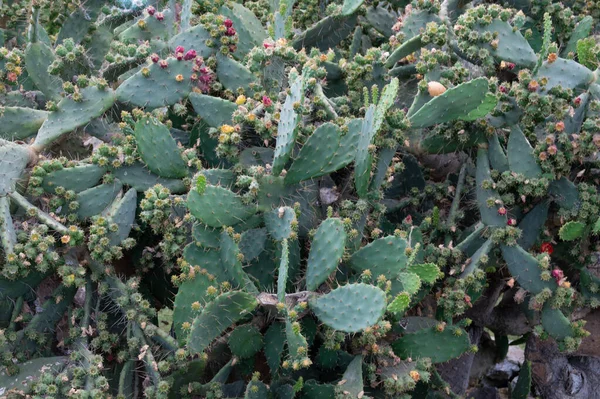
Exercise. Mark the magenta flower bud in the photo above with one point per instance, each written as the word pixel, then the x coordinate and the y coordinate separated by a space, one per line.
pixel 558 275
pixel 179 49
pixel 154 57
pixel 267 45
pixel 151 10
pixel 204 70
pixel 228 23
pixel 179 56
pixel 190 55
pixel 160 16
pixel 163 64
pixel 205 79
pixel 267 101
pixel 230 32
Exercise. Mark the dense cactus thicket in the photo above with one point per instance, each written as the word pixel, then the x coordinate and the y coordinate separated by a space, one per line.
pixel 292 198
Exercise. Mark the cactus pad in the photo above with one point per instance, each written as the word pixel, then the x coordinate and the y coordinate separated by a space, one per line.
pixel 218 207
pixel 383 256
pixel 326 250
pixel 430 343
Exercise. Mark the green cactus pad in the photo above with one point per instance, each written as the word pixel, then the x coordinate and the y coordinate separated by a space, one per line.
pixel 568 74
pixel 218 207
pixel 427 272
pixel 532 224
pixel 158 149
pixel 77 178
pixel 406 49
pixel 351 384
pixel 571 231
pixel 520 155
pixel 79 21
pixel 253 243
pixel 417 20
pixel 489 215
pixel 153 28
pixel 233 265
pixel 429 343
pixel 282 275
pixel 217 316
pixel 455 103
pixel 525 269
pixel 245 341
pixel 96 199
pixel 326 250
pixel 73 114
pixel 350 6
pixel 190 291
pixel 564 193
pixel 8 236
pixel 498 159
pixel 400 303
pixel 296 342
pixel 383 256
pixel 512 46
pixel 38 58
pixel 326 34
pixel 193 39
pixel 406 282
pixel 122 212
pixel 350 308
pixel 214 111
pixel 274 343
pixel 256 389
pixel 287 128
pixel 279 222
pixel 386 101
pixel 140 178
pixel 205 236
pixel 29 371
pixel 582 30
pixel 160 88
pixel 325 151
pixel 555 323
pixel 363 158
pixel 17 123
pixel 475 260
pixel 523 385
pixel 13 160
pixel 233 75
pixel 250 30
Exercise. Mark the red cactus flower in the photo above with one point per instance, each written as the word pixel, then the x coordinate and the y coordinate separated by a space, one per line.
pixel 190 55
pixel 502 211
pixel 267 101
pixel 230 32
pixel 268 45
pixel 160 16
pixel 577 101
pixel 511 222
pixel 180 49
pixel 228 23
pixel 163 64
pixel 503 89
pixel 179 56
pixel 408 219
pixel 510 65
pixel 155 58
pixel 558 275
pixel 151 10
pixel 547 248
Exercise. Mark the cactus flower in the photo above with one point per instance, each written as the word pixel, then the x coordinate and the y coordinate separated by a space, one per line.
pixel 267 101
pixel 151 10
pixel 547 248
pixel 230 32
pixel 179 49
pixel 557 274
pixel 163 64
pixel 155 58
pixel 228 23
pixel 160 16
pixel 511 222
pixel 502 211
pixel 190 55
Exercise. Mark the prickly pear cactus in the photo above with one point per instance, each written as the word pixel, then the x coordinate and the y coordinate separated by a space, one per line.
pixel 195 192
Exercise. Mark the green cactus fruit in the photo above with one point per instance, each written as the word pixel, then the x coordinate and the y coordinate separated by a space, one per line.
pixel 571 231
pixel 77 178
pixel 523 385
pixel 160 84
pixel 256 389
pixel 364 158
pixel 532 224
pixel 325 151
pixel 326 251
pixel 245 341
pixel 17 123
pixel 427 272
pixel 218 207
pixel 383 256
pixel 288 126
pixel 490 215
pixel 555 323
pixel 72 114
pixel 38 57
pixel 327 33
pixel 439 346
pixel 350 308
pixel 520 155
pixel 564 193
pixel 524 267
pixel 217 316
pixel 253 243
pixel 13 160
pixel 408 282
pixel 96 199
pixel 193 38
pixel 455 103
pixel 582 31
pixel 511 45
pixel 498 159
pixel 149 28
pixel 140 178
pixel 158 149
pixel 274 340
pixel 476 260
pixel 122 212
pixel 568 74
pixel 250 30
pixel 282 276
pixel 234 76
pixel 280 222
pixel 400 303
pixel 213 110
pixel 351 384
pixel 231 263
pixel 29 372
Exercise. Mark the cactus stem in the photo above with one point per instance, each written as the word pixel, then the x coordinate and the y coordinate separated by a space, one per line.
pixel 41 216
